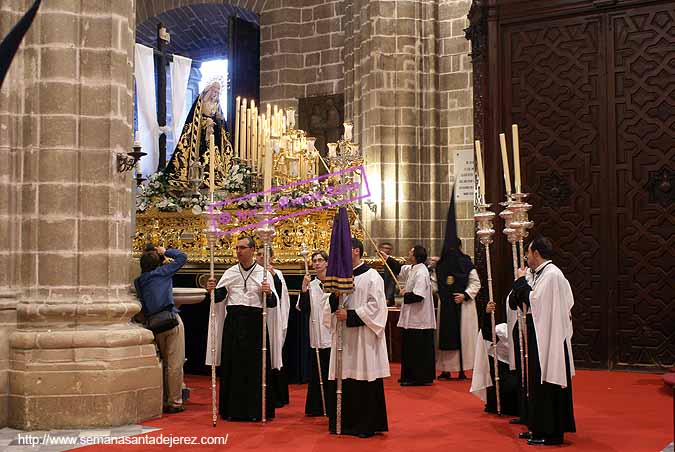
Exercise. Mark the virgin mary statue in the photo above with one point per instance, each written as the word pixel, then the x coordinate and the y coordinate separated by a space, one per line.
pixel 192 147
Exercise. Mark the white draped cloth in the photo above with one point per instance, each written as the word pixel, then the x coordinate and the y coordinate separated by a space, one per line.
pixel 448 360
pixel 284 306
pixel 180 75
pixel 364 348
pixel 320 335
pixel 233 281
pixel 418 316
pixel 481 379
pixel 551 301
pixel 148 129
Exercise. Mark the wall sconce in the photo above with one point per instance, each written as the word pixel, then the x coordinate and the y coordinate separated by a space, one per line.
pixel 128 162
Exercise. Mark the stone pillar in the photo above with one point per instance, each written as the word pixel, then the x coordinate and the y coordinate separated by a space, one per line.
pixel 75 360
pixel 456 99
pixel 10 238
pixel 392 51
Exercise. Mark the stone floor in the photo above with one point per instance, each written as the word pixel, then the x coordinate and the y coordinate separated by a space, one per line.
pixel 59 440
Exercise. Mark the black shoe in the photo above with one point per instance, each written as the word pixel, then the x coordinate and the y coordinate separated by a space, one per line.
pixel 525 435
pixel 365 435
pixel 407 383
pixel 173 409
pixel 517 421
pixel 462 376
pixel 444 376
pixel 547 441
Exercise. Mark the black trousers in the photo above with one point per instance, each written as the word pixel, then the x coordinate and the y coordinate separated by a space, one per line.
pixel 418 360
pixel 364 410
pixel 551 410
pixel 240 367
pixel 314 403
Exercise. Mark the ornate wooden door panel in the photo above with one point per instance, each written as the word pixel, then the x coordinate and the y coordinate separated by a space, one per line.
pixel 554 89
pixel 642 144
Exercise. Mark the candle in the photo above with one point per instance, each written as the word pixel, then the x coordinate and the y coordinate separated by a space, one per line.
pixel 242 131
pixel 248 133
pixel 212 162
pixel 269 113
pixel 258 133
pixel 290 118
pixel 348 131
pixel 516 157
pixel 505 163
pixel 237 120
pixel 332 149
pixel 481 171
pixel 268 173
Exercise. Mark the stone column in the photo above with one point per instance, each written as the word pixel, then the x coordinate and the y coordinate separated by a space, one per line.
pixel 75 360
pixel 10 244
pixel 391 85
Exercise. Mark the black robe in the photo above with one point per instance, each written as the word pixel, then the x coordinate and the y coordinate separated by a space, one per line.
pixel 452 273
pixel 192 145
pixel 240 397
pixel 550 407
pixel 314 402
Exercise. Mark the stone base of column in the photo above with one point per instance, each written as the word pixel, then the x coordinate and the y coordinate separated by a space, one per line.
pixel 69 376
pixel 8 301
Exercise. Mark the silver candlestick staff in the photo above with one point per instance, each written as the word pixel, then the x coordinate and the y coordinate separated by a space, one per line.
pixel 521 226
pixel 265 233
pixel 507 216
pixel 485 231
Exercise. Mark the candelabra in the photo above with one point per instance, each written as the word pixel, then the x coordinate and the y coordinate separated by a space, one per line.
pixel 485 231
pixel 517 229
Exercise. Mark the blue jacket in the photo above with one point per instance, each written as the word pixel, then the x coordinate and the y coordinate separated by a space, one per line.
pixel 155 288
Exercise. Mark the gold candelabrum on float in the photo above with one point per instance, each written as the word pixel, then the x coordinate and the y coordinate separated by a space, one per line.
pixel 278 154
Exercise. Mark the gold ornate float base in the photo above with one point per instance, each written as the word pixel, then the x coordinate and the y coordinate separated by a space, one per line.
pixel 186 231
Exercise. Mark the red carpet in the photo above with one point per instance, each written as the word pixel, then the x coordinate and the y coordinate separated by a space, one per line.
pixel 615 411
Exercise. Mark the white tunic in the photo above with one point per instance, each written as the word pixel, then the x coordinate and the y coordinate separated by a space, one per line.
pixel 233 280
pixel 551 301
pixel 448 360
pixel 418 316
pixel 319 334
pixel 364 348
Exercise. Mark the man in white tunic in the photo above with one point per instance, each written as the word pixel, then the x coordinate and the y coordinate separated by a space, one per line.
pixel 311 300
pixel 279 325
pixel 241 288
pixel 549 329
pixel 364 352
pixel 458 286
pixel 417 320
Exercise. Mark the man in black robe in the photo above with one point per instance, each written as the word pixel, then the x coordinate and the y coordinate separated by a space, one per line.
pixel 320 337
pixel 547 293
pixel 242 286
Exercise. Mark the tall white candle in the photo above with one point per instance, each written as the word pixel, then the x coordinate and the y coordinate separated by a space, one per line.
pixel 505 163
pixel 268 173
pixel 481 171
pixel 237 120
pixel 516 157
pixel 242 131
